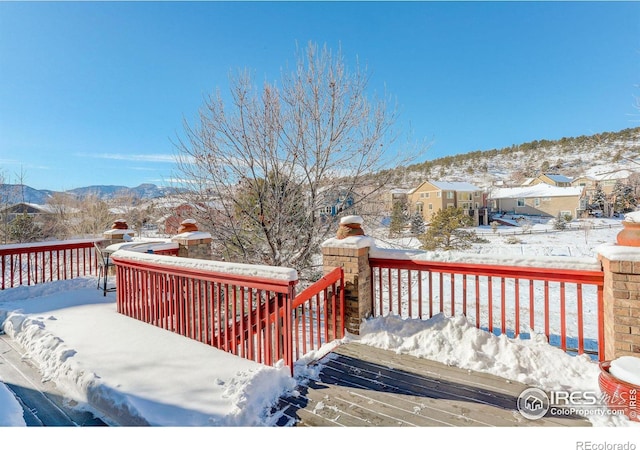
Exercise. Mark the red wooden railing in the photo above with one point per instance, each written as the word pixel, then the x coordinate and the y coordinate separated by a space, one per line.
pixel 318 314
pixel 253 317
pixel 564 304
pixel 241 314
pixel 35 263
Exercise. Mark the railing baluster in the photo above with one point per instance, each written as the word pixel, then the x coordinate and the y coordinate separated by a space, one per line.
pixel 580 319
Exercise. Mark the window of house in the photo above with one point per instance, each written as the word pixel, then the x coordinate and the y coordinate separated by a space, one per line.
pixel 430 206
pixel 450 194
pixel 521 202
pixel 536 201
pixel 439 194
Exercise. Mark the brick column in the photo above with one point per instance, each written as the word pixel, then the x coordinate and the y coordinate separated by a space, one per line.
pixel 352 254
pixel 621 265
pixel 191 242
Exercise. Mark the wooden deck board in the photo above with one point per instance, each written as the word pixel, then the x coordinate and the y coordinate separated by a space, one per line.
pixel 363 386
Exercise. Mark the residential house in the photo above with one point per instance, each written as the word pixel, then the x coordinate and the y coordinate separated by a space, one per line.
pixel 10 212
pixel 397 195
pixel 540 199
pixel 333 201
pixel 607 180
pixel 552 179
pixel 432 196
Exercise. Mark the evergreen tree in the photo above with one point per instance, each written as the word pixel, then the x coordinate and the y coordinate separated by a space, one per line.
pixel 623 197
pixel 398 218
pixel 560 223
pixel 417 224
pixel 599 199
pixel 446 231
pixel 24 229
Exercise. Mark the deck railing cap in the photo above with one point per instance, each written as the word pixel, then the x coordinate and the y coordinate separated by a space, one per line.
pixel 555 262
pixel 245 270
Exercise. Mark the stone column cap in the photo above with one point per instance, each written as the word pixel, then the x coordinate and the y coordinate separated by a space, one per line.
pixel 351 219
pixel 193 237
pixel 614 252
pixel 119 232
pixel 350 242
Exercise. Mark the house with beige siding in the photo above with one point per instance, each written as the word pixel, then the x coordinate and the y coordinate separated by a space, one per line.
pixel 553 179
pixel 432 196
pixel 539 200
pixel 606 180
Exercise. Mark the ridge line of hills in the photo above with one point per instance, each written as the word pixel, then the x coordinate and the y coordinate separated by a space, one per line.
pixel 572 157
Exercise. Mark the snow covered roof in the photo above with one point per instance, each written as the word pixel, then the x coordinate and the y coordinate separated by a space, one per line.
pixel 613 175
pixel 455 186
pixel 34 206
pixel 558 178
pixel 537 190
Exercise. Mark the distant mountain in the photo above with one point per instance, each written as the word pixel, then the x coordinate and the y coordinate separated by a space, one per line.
pixel 16 193
pixel 144 191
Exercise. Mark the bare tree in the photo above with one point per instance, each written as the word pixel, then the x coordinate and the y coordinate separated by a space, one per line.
pixel 94 217
pixel 273 168
pixel 62 216
pixel 131 208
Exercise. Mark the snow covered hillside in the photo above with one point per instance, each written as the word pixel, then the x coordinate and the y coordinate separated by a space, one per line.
pixel 572 157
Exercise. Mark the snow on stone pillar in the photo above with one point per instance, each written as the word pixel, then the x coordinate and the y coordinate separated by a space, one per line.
pixel 350 250
pixel 119 232
pixel 192 243
pixel 621 321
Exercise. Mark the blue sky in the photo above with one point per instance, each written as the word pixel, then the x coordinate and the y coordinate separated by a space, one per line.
pixel 95 92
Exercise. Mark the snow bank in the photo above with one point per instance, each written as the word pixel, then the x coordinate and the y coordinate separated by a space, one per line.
pixel 132 373
pixel 456 342
pixel 11 411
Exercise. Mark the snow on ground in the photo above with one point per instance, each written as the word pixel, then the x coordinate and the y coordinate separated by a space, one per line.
pixel 105 360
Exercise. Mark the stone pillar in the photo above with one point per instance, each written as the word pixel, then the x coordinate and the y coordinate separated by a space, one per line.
pixel 350 250
pixel 192 243
pixel 621 265
pixel 119 232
